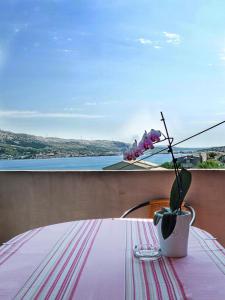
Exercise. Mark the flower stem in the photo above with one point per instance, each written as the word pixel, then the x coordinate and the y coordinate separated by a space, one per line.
pixel 176 169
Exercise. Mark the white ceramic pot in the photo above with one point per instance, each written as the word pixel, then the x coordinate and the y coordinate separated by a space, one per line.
pixel 176 244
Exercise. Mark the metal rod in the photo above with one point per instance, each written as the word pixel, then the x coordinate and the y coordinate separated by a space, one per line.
pixel 194 135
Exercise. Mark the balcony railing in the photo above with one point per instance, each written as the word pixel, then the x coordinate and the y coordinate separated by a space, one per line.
pixel 31 199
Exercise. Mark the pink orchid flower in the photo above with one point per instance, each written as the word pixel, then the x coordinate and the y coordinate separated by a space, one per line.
pixel 127 155
pixel 135 149
pixel 155 135
pixel 147 142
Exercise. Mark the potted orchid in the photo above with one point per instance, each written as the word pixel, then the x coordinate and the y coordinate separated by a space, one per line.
pixel 172 222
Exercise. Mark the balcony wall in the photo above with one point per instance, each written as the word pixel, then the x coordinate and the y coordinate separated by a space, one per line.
pixel 31 199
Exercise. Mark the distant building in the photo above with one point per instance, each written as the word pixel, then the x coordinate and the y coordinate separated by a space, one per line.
pixel 189 161
pixel 133 165
pixel 204 156
pixel 222 159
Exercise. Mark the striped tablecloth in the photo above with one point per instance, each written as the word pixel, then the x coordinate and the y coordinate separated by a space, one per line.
pixel 93 259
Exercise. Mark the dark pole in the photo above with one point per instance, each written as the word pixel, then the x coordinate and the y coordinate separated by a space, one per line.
pixel 178 179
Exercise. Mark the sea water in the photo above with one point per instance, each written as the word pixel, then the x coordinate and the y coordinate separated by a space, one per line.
pixel 72 163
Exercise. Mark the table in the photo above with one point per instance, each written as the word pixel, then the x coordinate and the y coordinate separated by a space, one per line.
pixel 93 259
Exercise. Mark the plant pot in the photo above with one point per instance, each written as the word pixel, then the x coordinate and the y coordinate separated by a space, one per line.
pixel 176 244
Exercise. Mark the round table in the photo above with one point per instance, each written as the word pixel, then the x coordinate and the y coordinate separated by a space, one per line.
pixel 93 259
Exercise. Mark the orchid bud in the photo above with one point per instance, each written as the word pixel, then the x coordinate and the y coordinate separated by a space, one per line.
pixel 155 135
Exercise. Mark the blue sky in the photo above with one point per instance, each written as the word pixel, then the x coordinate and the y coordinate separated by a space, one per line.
pixel 102 69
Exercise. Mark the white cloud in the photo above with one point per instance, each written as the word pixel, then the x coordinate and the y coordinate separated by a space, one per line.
pixel 168 37
pixel 72 109
pixel 90 103
pixel 20 27
pixel 109 102
pixel 37 114
pixel 67 50
pixel 17 113
pixel 144 41
pixel 152 43
pixel 83 33
pixel 141 120
pixel 68 109
pixel 172 38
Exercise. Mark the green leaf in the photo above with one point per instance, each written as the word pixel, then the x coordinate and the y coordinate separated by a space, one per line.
pixel 168 224
pixel 185 182
pixel 156 219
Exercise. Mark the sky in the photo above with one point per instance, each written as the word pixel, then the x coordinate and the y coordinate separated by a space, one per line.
pixel 102 69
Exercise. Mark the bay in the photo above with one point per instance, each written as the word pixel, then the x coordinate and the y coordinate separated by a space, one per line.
pixel 72 163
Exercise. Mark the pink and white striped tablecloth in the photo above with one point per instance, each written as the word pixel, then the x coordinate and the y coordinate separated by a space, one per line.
pixel 93 259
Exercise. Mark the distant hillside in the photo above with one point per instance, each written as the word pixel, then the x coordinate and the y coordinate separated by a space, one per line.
pixel 20 146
